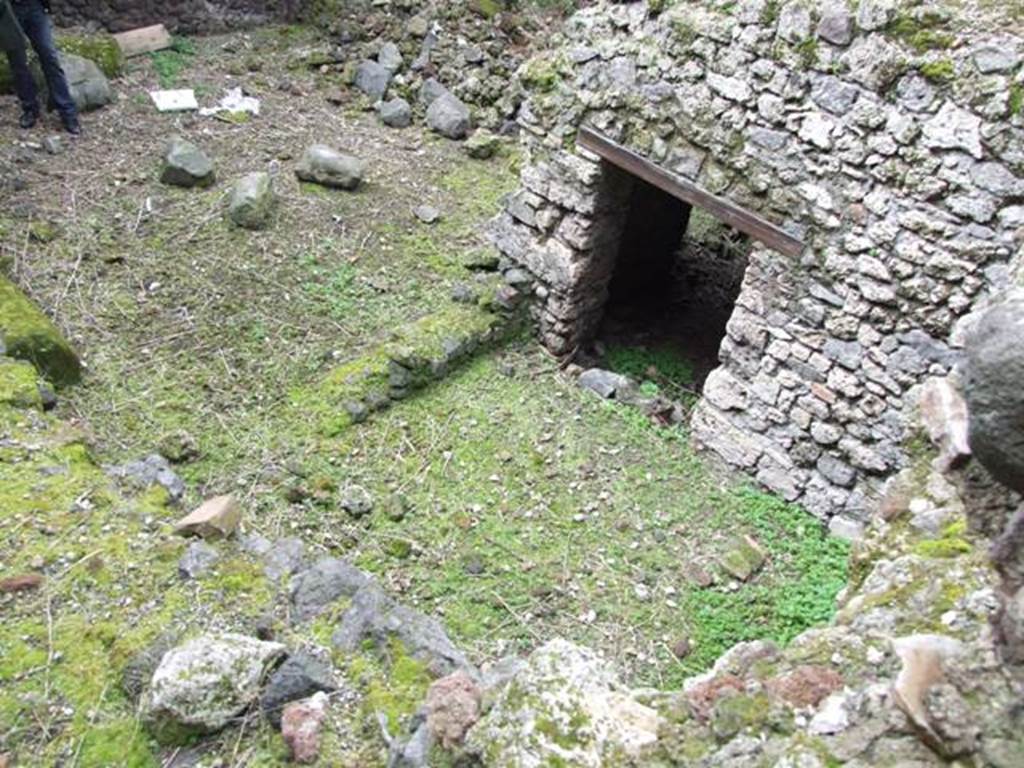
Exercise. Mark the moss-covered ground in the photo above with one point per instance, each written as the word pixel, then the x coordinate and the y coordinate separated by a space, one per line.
pixel 528 507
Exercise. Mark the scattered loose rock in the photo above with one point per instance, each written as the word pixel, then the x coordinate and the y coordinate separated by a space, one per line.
pixel 743 559
pixel 300 676
pixel 199 558
pixel 300 728
pixel 395 113
pixel 431 91
pixel 481 145
pixel 372 79
pixel 199 687
pixel 449 117
pixel 428 214
pixel 374 615
pixel 314 589
pixel 149 471
pixel 213 519
pixel 605 383
pixel 356 500
pixel 390 58
pixel 89 87
pixel 186 165
pixel 252 201
pixel 283 558
pixel 322 165
pixel 452 708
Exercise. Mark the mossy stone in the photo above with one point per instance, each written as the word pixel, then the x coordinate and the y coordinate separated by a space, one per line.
pixel 100 48
pixel 733 714
pixel 743 559
pixel 29 335
pixel 18 384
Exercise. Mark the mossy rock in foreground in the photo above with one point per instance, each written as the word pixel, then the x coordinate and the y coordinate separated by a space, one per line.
pixel 28 334
pixel 100 48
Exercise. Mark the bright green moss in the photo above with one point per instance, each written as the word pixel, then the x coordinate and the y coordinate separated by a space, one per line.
pixel 950 544
pixel 487 8
pixel 808 52
pixel 18 384
pixel 29 335
pixel 733 714
pixel 939 71
pixel 100 48
pixel 118 744
pixel 541 73
pixel 395 683
pixel 922 32
pixel 1016 99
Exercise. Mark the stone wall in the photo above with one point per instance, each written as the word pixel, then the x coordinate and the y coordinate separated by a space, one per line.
pixel 179 16
pixel 890 139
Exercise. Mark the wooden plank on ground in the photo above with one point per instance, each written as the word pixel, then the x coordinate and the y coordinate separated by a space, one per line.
pixel 135 42
pixel 736 217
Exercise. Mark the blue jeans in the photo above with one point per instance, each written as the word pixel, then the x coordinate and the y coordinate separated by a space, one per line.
pixel 36 26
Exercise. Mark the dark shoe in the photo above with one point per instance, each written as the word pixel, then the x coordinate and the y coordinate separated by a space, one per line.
pixel 72 126
pixel 28 119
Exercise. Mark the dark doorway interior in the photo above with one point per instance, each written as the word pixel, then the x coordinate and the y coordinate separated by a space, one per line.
pixel 676 280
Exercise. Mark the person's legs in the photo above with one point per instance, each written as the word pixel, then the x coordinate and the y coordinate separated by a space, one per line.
pixel 24 86
pixel 36 25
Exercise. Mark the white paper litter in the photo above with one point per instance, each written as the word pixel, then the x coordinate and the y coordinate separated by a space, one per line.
pixel 233 101
pixel 174 101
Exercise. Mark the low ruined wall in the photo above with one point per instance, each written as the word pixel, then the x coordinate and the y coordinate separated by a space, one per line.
pixel 179 16
pixel 889 139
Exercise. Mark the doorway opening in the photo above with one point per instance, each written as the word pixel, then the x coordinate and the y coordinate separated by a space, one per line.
pixel 678 267
pixel 676 279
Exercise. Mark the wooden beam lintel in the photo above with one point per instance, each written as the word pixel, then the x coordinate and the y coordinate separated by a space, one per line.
pixel 739 218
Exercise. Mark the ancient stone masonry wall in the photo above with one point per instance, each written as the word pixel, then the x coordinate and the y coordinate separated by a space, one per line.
pixel 179 16
pixel 889 138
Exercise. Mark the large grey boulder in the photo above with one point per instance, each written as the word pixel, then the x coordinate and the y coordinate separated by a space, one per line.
pixel 321 164
pixel 89 87
pixel 372 79
pixel 199 687
pixel 186 165
pixel 252 200
pixel 992 386
pixel 449 117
